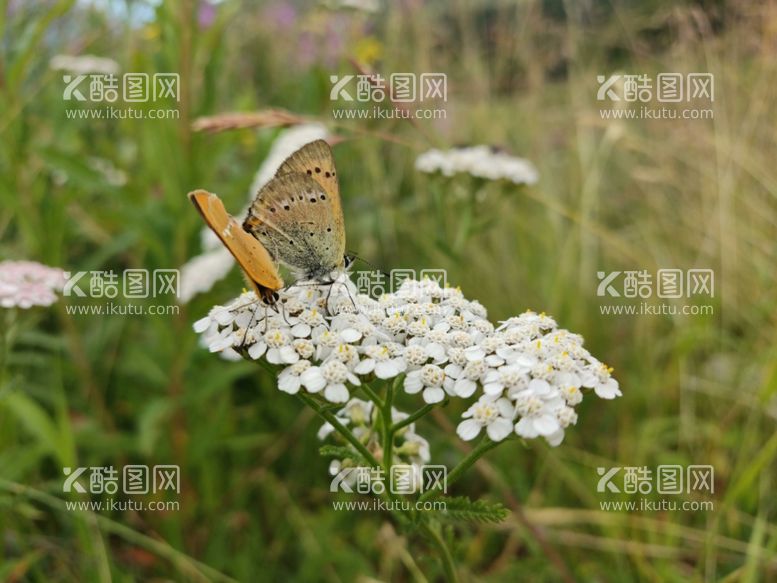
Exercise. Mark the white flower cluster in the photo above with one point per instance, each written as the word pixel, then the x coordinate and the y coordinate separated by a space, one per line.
pixel 328 338
pixel 360 416
pixel 24 284
pixel 478 161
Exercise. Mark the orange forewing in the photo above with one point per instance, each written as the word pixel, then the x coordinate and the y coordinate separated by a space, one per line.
pixel 250 254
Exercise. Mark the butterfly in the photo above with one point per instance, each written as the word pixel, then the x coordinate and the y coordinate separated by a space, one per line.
pixel 298 215
pixel 257 264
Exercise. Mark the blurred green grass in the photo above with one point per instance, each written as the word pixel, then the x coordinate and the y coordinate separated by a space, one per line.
pixel 621 195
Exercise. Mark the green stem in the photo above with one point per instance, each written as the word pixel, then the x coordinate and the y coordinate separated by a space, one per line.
pixel 411 418
pixel 373 396
pixel 388 434
pixel 340 428
pixel 473 456
pixel 445 553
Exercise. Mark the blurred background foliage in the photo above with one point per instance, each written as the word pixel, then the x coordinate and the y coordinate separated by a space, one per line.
pixel 613 195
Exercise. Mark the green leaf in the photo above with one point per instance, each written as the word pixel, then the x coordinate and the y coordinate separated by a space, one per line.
pixel 38 423
pixel 462 509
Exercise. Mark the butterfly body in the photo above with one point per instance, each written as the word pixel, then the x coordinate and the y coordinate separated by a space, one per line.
pixel 298 215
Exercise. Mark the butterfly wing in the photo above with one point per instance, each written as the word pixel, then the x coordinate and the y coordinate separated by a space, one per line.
pixel 316 160
pixel 254 260
pixel 298 215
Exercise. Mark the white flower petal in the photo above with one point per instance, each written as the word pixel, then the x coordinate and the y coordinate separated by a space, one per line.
pixel 289 383
pixel 525 428
pixel 546 424
pixel 350 335
pixel 365 366
pixel 386 370
pixel 474 353
pixel 413 383
pixel 336 393
pixel 499 429
pixel 465 388
pixel 300 330
pixel 539 387
pixel 288 355
pixel 257 349
pixel 505 408
pixel 223 316
pixel 312 379
pixel 608 390
pixel 555 438
pixel 468 429
pixel 433 395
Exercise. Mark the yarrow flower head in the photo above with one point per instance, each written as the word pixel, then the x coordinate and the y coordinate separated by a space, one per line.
pixel 24 284
pixel 479 161
pixel 327 339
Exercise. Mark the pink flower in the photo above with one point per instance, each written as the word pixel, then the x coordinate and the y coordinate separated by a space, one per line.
pixel 24 284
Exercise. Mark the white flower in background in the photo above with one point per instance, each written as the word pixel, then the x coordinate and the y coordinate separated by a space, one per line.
pixel 84 64
pixel 201 273
pixel 113 176
pixel 24 284
pixel 327 339
pixel 479 161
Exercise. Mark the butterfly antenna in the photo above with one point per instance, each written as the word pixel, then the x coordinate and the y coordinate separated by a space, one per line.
pixel 350 297
pixel 328 295
pixel 282 312
pixel 355 256
pixel 266 319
